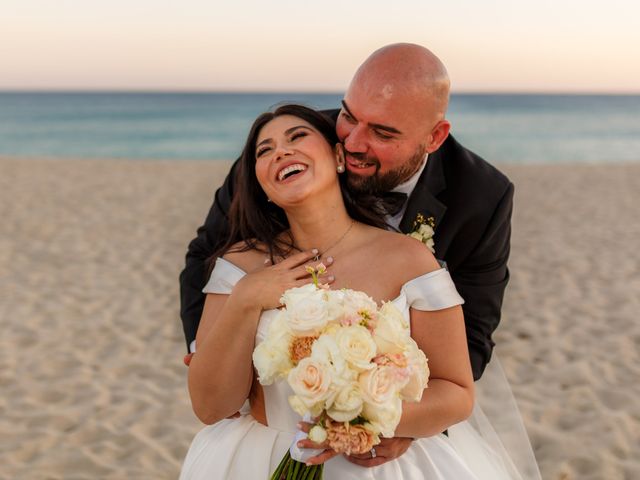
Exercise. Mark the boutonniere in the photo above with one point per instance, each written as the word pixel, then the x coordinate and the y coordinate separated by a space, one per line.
pixel 423 230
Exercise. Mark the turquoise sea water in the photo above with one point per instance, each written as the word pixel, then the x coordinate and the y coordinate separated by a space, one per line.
pixel 501 128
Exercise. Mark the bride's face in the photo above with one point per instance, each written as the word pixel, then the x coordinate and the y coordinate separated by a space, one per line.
pixel 294 161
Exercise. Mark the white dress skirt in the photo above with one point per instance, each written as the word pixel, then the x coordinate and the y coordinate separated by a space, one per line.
pixel 242 448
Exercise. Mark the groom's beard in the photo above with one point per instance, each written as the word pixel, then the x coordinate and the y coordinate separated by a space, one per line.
pixel 379 183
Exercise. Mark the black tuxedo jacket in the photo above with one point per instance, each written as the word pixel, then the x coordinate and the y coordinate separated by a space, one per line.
pixel 471 203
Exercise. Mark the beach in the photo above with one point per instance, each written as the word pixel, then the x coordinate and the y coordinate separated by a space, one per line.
pixel 91 372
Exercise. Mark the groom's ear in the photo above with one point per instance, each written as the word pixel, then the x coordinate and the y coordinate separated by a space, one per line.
pixel 438 135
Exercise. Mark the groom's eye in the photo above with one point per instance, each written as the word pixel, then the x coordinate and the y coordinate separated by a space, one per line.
pixel 382 135
pixel 347 117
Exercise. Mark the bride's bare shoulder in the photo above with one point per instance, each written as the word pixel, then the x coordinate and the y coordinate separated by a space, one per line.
pixel 404 254
pixel 246 256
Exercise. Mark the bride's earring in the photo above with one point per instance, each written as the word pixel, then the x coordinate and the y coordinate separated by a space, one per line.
pixel 340 153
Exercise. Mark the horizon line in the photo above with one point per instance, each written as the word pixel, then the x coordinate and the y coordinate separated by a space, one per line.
pixel 308 92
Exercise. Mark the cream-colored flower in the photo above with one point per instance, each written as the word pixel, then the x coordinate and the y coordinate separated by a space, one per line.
pixel 325 350
pixel 347 404
pixel 297 405
pixel 297 294
pixel 384 418
pixel 426 230
pixel 309 316
pixel 335 308
pixel 271 357
pixel 418 373
pixel 310 380
pixel 357 306
pixel 392 330
pixel 357 347
pixel 431 244
pixel 317 434
pixel 379 385
pixel 416 235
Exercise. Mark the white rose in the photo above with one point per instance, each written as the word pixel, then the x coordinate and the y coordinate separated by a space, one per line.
pixel 379 385
pixel 392 330
pixel 271 357
pixel 357 347
pixel 310 380
pixel 384 418
pixel 416 235
pixel 358 304
pixel 297 294
pixel 347 404
pixel 335 308
pixel 418 374
pixel 326 350
pixel 308 316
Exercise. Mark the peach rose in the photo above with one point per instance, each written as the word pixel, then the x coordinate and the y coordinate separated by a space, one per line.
pixel 311 381
pixel 379 385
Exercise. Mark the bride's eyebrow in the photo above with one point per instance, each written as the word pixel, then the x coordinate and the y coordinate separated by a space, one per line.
pixel 266 140
pixel 289 131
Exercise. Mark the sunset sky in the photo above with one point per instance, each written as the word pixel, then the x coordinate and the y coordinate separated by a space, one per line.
pixel 252 45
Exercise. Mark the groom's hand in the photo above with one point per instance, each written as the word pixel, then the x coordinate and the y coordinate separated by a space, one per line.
pixel 388 449
pixel 187 359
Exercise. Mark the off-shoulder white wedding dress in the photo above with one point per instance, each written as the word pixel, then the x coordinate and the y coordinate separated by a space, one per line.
pixel 241 448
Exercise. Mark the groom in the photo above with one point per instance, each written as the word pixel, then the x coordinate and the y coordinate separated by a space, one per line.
pixel 396 138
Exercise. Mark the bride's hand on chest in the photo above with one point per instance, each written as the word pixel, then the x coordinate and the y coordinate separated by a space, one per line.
pixel 264 285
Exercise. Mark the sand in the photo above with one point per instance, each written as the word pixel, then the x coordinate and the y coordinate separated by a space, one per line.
pixel 91 344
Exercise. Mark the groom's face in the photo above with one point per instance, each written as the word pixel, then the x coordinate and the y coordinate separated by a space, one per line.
pixel 384 136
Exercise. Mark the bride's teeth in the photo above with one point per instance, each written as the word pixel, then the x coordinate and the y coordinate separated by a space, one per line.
pixel 291 168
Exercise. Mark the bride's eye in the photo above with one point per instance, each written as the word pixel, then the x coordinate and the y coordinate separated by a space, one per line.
pixel 262 151
pixel 298 134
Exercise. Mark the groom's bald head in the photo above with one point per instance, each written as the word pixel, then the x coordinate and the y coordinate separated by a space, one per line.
pixel 406 70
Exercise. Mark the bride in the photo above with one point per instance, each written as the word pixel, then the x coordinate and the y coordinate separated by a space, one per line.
pixel 292 204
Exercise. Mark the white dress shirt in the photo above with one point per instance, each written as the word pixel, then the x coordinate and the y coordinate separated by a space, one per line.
pixel 406 187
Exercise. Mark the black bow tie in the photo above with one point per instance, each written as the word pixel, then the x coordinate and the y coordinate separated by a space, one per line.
pixel 392 202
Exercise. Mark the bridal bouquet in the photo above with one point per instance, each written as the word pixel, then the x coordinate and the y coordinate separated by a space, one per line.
pixel 349 363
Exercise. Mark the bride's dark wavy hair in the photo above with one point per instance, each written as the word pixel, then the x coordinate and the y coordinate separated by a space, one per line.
pixel 260 223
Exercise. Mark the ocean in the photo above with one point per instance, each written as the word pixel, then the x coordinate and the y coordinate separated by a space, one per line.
pixel 502 128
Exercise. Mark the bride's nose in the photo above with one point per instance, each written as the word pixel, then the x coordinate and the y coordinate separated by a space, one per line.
pixel 281 151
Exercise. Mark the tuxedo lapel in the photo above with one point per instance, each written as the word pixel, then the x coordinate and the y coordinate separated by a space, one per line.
pixel 423 198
